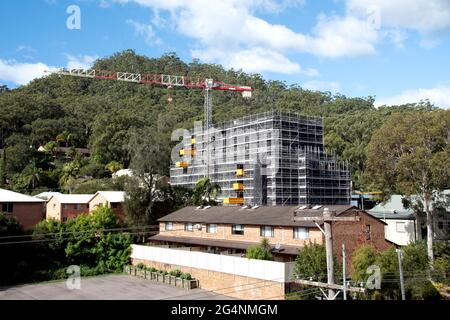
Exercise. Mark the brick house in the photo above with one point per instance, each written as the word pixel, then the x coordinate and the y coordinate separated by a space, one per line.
pixel 62 207
pixel 210 243
pixel 231 230
pixel 110 199
pixel 27 210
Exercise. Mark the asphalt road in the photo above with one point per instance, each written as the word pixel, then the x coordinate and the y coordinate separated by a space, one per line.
pixel 109 287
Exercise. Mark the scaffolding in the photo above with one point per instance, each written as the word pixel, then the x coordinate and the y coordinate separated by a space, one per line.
pixel 271 158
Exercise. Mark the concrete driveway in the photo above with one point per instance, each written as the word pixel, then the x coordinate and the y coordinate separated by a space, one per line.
pixel 108 287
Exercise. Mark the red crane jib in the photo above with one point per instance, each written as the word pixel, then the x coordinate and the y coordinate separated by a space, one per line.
pixel 168 80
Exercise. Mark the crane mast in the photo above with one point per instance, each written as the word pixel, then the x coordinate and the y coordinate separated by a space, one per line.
pixel 205 84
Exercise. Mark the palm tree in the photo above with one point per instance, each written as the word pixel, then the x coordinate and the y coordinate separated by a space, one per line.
pixel 206 192
pixel 32 175
pixel 69 173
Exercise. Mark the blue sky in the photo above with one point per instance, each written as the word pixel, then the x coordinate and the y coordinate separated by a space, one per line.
pixel 395 50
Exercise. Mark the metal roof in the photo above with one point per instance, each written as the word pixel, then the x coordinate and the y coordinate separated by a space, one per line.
pixel 394 209
pixel 72 198
pixel 11 196
pixel 112 196
pixel 263 215
pixel 46 195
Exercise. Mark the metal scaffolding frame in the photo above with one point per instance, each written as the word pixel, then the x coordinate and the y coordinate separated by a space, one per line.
pixel 282 157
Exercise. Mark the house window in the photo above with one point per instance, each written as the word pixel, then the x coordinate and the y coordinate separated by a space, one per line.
pixel 64 219
pixel 266 231
pixel 168 226
pixel 440 225
pixel 189 227
pixel 211 228
pixel 65 206
pixel 301 233
pixel 400 227
pixel 7 207
pixel 237 229
pixel 78 206
pixel 114 205
pixel 368 232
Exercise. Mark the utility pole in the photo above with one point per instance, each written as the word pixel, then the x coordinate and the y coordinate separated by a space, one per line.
pixel 329 248
pixel 326 219
pixel 400 267
pixel 344 290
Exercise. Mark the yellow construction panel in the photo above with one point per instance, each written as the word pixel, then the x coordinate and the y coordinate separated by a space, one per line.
pixel 193 141
pixel 238 186
pixel 233 200
pixel 240 172
pixel 181 164
pixel 181 152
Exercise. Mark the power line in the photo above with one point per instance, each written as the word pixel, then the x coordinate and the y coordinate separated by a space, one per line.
pixel 78 232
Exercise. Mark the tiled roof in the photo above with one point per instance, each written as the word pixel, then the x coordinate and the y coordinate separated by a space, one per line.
pixel 292 250
pixel 263 215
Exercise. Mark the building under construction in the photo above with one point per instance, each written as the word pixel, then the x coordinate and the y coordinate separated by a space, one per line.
pixel 272 158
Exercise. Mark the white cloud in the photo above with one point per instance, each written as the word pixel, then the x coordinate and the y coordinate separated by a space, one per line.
pixel 21 73
pixel 338 36
pixel 316 85
pixel 80 62
pixel 231 31
pixel 419 15
pixel 255 60
pixel 146 31
pixel 439 96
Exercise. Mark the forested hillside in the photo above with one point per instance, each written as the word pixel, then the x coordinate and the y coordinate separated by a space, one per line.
pixel 83 113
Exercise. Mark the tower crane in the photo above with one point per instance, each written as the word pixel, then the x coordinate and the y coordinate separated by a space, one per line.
pixel 169 81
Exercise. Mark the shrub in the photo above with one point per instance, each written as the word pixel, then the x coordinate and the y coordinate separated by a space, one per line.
pixel 140 266
pixel 261 251
pixel 362 258
pixel 186 276
pixel 311 262
pixel 176 273
pixel 423 290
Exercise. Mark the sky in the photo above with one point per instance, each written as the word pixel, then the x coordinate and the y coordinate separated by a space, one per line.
pixel 394 50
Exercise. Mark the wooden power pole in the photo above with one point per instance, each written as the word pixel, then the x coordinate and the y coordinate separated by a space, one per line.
pixel 327 218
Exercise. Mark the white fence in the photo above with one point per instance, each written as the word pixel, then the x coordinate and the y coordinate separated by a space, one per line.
pixel 259 269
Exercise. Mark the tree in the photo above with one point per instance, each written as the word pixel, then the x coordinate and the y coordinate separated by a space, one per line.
pixel 311 262
pixel 205 192
pixel 69 173
pixel 149 151
pixel 261 251
pixel 113 166
pixel 410 154
pixel 29 178
pixel 3 168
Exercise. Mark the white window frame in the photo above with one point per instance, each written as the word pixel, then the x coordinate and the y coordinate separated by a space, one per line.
pixel 267 231
pixel 168 226
pixel 189 227
pixel 400 223
pixel 237 227
pixel 301 233
pixel 211 228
